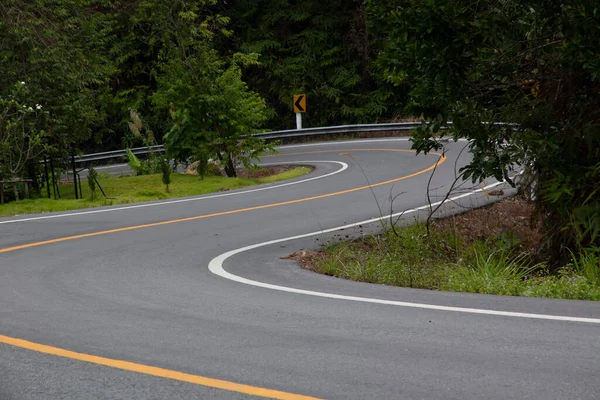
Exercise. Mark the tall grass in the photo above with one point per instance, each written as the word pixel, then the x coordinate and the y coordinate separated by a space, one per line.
pixel 587 265
pixel 493 271
pixel 442 261
pixel 407 258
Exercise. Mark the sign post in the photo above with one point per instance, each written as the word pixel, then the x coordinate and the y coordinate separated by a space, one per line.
pixel 299 108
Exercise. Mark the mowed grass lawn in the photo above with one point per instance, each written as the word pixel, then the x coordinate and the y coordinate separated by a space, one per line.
pixel 132 189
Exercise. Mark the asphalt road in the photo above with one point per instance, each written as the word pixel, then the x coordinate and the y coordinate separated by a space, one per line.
pixel 119 303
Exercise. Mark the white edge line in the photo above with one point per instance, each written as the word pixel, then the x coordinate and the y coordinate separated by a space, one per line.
pixel 216 267
pixel 155 204
pixel 344 167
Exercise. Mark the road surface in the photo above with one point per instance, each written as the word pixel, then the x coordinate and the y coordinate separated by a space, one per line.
pixel 120 303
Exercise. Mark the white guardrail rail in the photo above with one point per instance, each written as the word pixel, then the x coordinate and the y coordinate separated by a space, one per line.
pixel 289 133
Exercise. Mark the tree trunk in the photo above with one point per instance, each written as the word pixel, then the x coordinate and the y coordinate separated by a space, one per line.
pixel 33 175
pixel 230 167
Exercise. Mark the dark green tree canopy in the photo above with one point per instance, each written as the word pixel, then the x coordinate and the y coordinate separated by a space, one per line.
pixel 532 64
pixel 56 47
pixel 203 75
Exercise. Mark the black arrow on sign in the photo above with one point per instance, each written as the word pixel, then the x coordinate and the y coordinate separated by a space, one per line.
pixel 298 104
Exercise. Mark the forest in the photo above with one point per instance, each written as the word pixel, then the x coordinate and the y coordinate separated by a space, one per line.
pixel 199 76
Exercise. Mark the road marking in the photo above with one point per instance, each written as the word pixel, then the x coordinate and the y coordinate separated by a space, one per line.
pixel 204 197
pixel 441 160
pixel 154 371
pixel 344 167
pixel 176 375
pixel 216 267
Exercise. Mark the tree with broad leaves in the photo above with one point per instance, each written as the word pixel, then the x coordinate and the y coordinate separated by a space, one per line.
pixel 214 114
pixel 21 132
pixel 58 48
pixel 533 65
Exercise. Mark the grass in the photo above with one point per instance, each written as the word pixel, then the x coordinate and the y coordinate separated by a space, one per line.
pixel 403 260
pixel 444 260
pixel 133 189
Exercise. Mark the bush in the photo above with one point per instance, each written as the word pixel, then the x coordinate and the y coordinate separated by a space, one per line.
pixel 152 165
pixel 165 167
pixel 92 177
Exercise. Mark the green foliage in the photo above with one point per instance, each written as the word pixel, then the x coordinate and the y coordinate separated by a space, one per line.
pixel 152 165
pixel 135 163
pixel 564 286
pixel 152 194
pixel 490 272
pixel 319 48
pixel 147 34
pixel 533 64
pixel 92 181
pixel 289 174
pixel 21 131
pixel 587 265
pixel 197 70
pixel 507 243
pixel 409 258
pixel 440 261
pixel 131 189
pixel 201 155
pixel 213 111
pixel 56 48
pixel 166 172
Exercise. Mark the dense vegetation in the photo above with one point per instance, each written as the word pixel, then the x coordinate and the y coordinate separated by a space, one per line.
pixel 443 261
pixel 489 250
pixel 202 74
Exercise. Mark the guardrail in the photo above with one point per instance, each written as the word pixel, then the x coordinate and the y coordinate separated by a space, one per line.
pixel 341 129
pixel 118 153
pixel 288 133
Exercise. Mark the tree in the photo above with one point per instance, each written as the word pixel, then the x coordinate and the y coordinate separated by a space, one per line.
pixel 92 179
pixel 166 172
pixel 214 113
pixel 138 33
pixel 21 132
pixel 321 48
pixel 218 123
pixel 533 64
pixel 56 47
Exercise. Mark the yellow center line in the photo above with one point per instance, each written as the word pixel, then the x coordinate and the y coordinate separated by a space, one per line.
pixel 176 375
pixel 237 211
pixel 155 371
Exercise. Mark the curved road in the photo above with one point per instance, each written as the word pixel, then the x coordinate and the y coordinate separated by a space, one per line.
pixel 120 303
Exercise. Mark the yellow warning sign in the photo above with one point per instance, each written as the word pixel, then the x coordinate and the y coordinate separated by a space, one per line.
pixel 299 103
